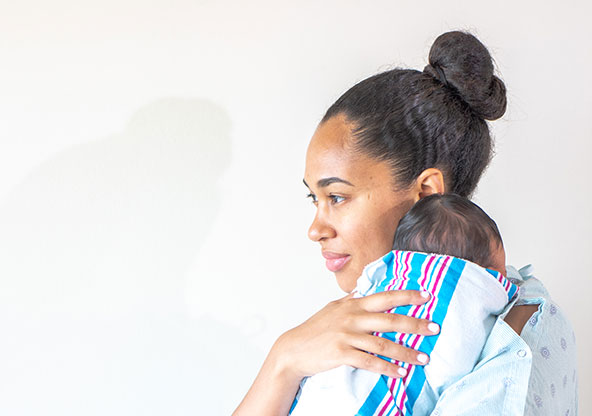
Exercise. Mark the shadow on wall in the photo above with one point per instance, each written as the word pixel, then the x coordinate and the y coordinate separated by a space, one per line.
pixel 95 244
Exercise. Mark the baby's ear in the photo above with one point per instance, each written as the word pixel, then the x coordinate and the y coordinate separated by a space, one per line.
pixel 430 181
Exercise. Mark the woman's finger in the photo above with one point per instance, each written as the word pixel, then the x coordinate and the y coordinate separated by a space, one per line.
pixel 383 301
pixel 390 349
pixel 365 361
pixel 394 322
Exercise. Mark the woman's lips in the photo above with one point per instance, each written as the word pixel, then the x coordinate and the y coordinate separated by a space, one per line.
pixel 335 261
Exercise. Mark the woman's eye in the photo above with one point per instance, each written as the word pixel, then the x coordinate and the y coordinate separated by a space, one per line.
pixel 335 199
pixel 313 198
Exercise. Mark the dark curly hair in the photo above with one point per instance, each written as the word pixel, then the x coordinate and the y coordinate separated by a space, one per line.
pixel 432 119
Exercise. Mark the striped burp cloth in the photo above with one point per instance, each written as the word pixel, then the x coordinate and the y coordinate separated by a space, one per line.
pixel 466 298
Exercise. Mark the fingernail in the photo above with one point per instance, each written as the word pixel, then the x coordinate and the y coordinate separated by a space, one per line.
pixel 422 358
pixel 434 327
pixel 402 372
pixel 425 295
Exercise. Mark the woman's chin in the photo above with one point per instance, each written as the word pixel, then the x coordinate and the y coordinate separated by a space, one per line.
pixel 346 280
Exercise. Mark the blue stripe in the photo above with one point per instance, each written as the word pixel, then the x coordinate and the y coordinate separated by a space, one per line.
pixel 295 402
pixel 374 398
pixel 415 386
pixel 512 292
pixel 380 389
pixel 388 259
pixel 413 273
pixel 416 264
pixel 448 286
pixel 449 282
pixel 494 273
pixel 513 288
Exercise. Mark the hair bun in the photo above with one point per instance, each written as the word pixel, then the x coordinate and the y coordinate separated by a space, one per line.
pixel 460 61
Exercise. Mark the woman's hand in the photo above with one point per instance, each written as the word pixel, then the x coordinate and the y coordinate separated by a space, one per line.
pixel 339 334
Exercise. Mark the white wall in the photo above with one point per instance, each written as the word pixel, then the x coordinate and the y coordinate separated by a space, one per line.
pixel 152 217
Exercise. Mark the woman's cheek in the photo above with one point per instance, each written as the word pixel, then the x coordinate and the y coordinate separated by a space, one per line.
pixel 381 242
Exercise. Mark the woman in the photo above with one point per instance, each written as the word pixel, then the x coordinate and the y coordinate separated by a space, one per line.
pixel 390 140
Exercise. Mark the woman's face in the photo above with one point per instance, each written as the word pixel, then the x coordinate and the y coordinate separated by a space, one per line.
pixel 357 207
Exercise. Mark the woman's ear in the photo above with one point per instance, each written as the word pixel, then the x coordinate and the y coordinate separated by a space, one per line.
pixel 430 181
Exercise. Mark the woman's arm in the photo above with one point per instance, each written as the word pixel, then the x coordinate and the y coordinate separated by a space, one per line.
pixel 519 315
pixel 339 334
pixel 273 390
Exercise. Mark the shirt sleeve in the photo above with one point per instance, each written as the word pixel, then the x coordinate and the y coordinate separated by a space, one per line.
pixel 498 383
pixel 531 374
pixel 553 383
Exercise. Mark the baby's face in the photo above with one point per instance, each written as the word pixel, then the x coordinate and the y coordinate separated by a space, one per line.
pixel 498 258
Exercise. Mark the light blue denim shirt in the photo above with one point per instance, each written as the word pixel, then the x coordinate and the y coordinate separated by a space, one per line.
pixel 531 374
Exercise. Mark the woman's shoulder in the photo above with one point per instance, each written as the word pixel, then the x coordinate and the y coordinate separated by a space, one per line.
pixel 551 339
pixel 532 290
pixel 548 318
pixel 531 374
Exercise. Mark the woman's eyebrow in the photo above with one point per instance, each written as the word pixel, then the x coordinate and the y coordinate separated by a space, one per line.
pixel 323 183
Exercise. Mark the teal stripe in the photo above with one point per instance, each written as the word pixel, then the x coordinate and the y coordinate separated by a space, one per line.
pixel 449 282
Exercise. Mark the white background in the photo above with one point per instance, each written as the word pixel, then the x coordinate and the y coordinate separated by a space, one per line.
pixel 152 216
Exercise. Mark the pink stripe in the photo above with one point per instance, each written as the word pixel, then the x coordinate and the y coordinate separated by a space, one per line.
pixel 425 277
pixel 395 280
pixel 389 287
pixel 422 284
pixel 433 300
pixel 418 307
pixel 415 339
pixel 430 310
pixel 402 279
pixel 392 382
pixel 397 254
pixel 406 265
pixel 503 281
pixel 390 399
pixel 404 396
pixel 402 282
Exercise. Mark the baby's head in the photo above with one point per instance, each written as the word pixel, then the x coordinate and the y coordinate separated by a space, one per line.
pixel 452 225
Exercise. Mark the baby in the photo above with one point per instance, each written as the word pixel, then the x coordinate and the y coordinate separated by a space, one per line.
pixel 453 225
pixel 449 247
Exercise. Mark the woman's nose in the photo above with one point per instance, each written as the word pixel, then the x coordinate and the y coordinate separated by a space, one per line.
pixel 320 229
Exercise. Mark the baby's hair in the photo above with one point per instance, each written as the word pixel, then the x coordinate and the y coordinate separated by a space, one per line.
pixel 448 224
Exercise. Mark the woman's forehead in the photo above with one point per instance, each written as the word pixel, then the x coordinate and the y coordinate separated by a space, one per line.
pixel 330 151
pixel 331 154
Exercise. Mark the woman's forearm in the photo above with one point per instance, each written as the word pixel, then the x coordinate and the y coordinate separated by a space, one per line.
pixel 273 390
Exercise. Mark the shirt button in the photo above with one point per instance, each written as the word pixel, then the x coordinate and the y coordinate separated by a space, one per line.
pixel 521 353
